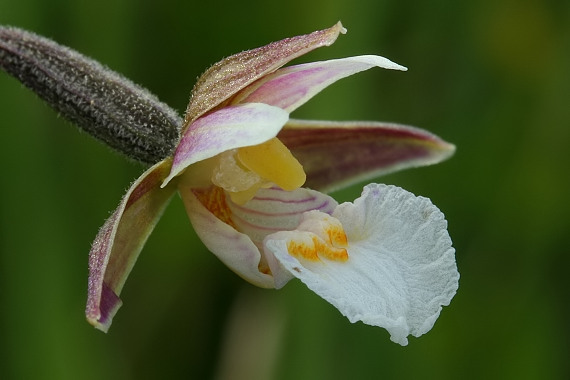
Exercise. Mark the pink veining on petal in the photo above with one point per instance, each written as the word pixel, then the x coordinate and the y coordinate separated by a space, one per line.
pixel 292 86
pixel 233 248
pixel 225 78
pixel 337 154
pixel 276 214
pixel 274 210
pixel 284 88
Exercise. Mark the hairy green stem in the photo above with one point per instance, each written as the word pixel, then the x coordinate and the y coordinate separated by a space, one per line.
pixel 106 105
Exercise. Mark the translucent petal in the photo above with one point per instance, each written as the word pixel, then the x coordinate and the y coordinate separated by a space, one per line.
pixel 292 86
pixel 401 268
pixel 232 176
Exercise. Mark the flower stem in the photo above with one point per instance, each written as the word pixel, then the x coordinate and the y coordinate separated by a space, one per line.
pixel 103 103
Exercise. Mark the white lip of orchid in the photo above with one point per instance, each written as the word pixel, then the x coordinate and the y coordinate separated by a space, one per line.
pixel 400 269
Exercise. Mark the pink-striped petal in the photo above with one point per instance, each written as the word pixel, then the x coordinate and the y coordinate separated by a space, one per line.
pixel 292 86
pixel 338 154
pixel 120 241
pixel 236 241
pixel 233 248
pixel 228 128
pixel 273 210
pixel 225 78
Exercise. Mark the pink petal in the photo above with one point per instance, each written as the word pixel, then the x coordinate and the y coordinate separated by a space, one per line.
pixel 228 128
pixel 227 77
pixel 120 241
pixel 337 154
pixel 292 86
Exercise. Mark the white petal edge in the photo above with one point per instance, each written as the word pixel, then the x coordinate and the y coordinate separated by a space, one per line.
pixel 228 128
pixel 401 268
pixel 290 87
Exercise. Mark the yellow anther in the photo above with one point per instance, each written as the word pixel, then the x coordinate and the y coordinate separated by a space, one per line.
pixel 273 162
pixel 241 197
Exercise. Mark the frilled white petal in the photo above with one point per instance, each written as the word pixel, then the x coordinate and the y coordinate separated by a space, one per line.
pixel 401 266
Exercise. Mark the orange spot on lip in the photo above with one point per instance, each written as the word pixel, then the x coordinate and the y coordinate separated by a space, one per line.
pixel 321 236
pixel 314 248
pixel 330 252
pixel 304 250
pixel 337 235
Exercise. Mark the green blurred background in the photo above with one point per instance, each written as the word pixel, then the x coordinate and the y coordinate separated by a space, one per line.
pixel 491 76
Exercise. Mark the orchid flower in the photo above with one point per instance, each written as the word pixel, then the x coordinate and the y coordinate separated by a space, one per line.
pixel 253 183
